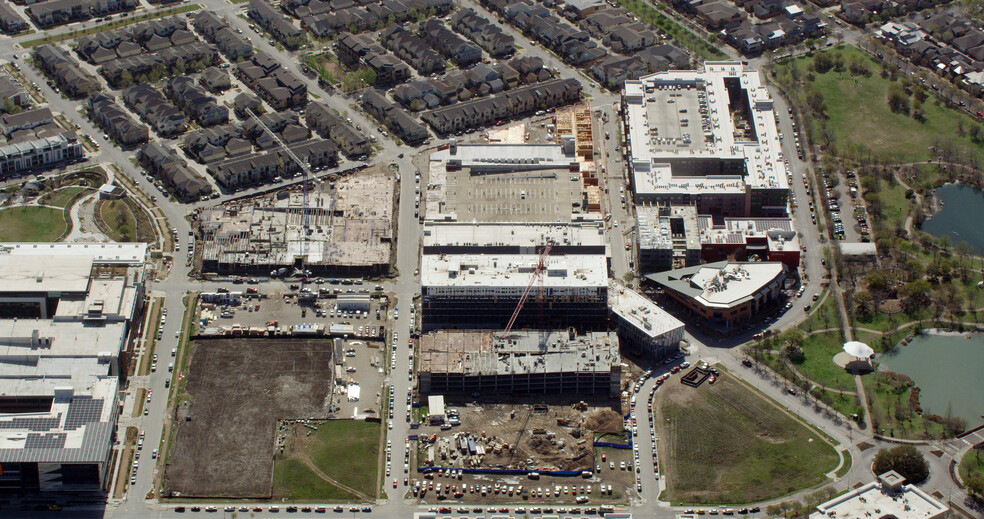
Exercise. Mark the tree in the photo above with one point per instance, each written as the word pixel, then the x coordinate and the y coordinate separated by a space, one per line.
pixel 898 100
pixel 905 460
pixel 975 484
pixel 822 63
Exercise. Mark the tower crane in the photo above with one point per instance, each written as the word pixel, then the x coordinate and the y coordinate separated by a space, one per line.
pixel 537 272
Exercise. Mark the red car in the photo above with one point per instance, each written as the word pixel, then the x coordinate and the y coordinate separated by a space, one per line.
pixel 675 369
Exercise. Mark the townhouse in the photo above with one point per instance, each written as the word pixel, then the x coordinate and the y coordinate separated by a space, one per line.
pixel 38 154
pixel 483 32
pixel 201 107
pixel 520 101
pixel 60 12
pixel 10 21
pixel 154 108
pixel 262 167
pixel 459 50
pixel 164 163
pixel 215 29
pixel 399 122
pixel 281 27
pixel 412 49
pixel 115 121
pixel 275 84
pixel 65 71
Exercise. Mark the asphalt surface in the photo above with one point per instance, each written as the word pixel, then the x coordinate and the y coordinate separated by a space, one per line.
pixel 405 286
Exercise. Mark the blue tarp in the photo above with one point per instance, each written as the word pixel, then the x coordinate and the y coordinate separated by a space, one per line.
pixel 613 445
pixel 521 472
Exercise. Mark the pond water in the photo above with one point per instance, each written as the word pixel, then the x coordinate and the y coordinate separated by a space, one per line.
pixel 947 370
pixel 960 216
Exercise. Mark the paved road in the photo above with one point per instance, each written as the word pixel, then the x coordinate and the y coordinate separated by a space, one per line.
pixel 405 286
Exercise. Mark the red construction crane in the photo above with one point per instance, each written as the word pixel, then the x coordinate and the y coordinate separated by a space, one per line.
pixel 537 272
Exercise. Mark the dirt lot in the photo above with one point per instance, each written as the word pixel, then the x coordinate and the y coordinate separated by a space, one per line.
pixel 237 390
pixel 548 437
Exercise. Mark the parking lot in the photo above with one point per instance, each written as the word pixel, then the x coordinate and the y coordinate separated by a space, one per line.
pixel 295 303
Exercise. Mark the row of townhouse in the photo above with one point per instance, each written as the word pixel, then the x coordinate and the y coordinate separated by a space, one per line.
pixel 329 124
pixel 165 63
pixel 279 87
pixel 263 167
pixel 216 30
pixel 164 163
pixel 38 154
pixel 483 32
pixel 217 143
pixel 152 36
pixel 280 26
pixel 66 72
pixel 572 44
pixel 408 129
pixel 10 21
pixel 201 107
pixel 514 103
pixel 462 85
pixel 951 48
pixel 412 49
pixel 327 19
pixel 456 48
pixel 115 121
pixel 165 118
pixel 60 12
pixel 27 120
pixel 787 28
pixel 13 90
pixel 354 49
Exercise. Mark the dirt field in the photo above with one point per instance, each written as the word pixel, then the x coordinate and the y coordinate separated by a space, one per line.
pixel 236 392
pixel 724 443
pixel 551 437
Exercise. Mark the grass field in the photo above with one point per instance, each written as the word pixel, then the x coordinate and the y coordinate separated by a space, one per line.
pixel 61 197
pixel 123 221
pixel 857 110
pixel 724 443
pixel 817 364
pixel 972 463
pixel 40 224
pixel 345 451
pixel 824 317
pixel 891 414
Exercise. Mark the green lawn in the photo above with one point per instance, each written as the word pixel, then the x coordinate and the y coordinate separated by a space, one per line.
pixel 857 111
pixel 891 414
pixel 817 364
pixel 61 197
pixel 40 224
pixel 972 462
pixel 846 405
pixel 823 317
pixel 684 36
pixel 725 443
pixel 293 481
pixel 115 24
pixel 346 451
pixel 846 467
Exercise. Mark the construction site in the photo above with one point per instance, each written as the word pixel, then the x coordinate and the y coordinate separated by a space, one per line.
pixel 544 452
pixel 229 405
pixel 343 227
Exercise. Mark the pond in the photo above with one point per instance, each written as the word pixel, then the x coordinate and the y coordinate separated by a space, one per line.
pixel 947 369
pixel 959 217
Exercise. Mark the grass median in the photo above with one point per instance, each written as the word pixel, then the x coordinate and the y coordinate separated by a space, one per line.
pixel 116 24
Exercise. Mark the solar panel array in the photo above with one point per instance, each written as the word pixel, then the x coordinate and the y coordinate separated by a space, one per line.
pixel 45 441
pixel 31 424
pixel 82 411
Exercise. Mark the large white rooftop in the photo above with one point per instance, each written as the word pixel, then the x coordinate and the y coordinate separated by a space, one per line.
pixel 513 271
pixel 683 139
pixel 880 500
pixel 60 267
pixel 735 282
pixel 584 233
pixel 641 311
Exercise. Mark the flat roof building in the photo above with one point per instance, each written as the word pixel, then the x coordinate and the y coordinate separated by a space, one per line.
pixel 645 328
pixel 66 313
pixel 706 138
pixel 519 362
pixel 473 275
pixel 887 497
pixel 667 237
pixel 724 294
pixel 505 183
